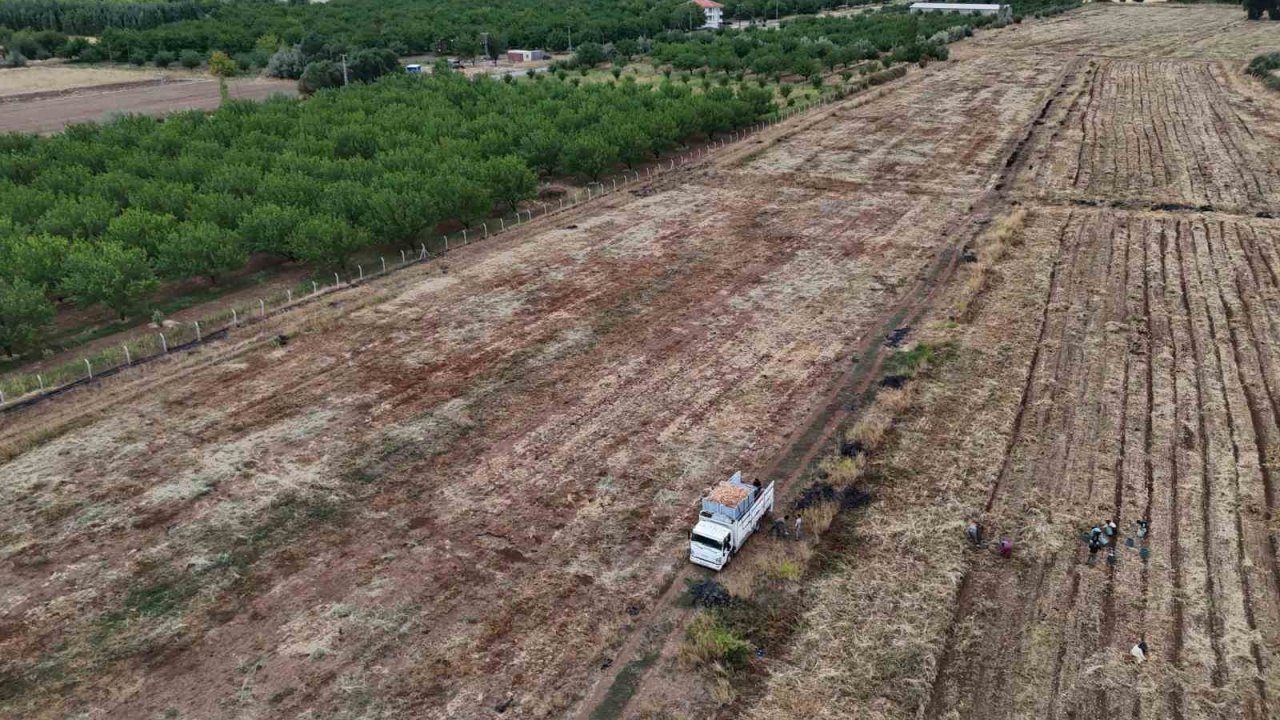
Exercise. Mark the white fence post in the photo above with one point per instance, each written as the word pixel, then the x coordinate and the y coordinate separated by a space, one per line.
pixel 360 269
pixel 384 264
pixel 128 359
pixel 164 344
pixel 289 294
pixel 40 379
pixel 402 258
pixel 530 215
pixel 89 367
pixel 423 256
pixel 544 208
pixel 262 306
pixel 464 236
pixel 615 185
pixel 446 241
pixel 504 224
pixel 235 319
pixel 336 280
pixel 314 287
pixel 197 331
pixel 486 229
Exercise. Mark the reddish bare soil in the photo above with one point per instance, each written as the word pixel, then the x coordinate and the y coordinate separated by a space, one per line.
pixel 45 114
pixel 463 490
pixel 452 488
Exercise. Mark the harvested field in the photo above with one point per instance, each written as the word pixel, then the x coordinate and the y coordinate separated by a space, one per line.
pixel 1161 134
pixel 55 78
pixel 458 487
pixel 1120 364
pixel 48 112
pixel 463 490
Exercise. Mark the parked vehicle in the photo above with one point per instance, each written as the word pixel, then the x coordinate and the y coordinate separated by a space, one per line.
pixel 729 514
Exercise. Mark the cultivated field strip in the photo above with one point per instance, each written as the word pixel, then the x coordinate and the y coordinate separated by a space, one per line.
pixel 959 116
pixel 1161 133
pixel 1151 396
pixel 1125 31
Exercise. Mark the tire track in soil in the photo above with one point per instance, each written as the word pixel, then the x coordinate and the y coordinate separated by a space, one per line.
pixel 1214 618
pixel 1164 339
pixel 1243 561
pixel 1260 321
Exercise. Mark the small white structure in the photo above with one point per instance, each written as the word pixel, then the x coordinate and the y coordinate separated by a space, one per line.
pixel 1000 11
pixel 519 56
pixel 714 13
pixel 414 69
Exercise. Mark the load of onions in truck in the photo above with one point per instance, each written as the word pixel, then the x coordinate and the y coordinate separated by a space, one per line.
pixel 730 513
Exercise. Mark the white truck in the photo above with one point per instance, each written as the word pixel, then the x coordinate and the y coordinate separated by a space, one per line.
pixel 729 514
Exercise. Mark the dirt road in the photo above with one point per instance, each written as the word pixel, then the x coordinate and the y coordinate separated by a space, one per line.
pixel 46 114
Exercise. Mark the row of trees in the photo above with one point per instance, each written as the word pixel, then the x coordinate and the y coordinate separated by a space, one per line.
pixel 405 26
pixel 808 45
pixel 91 17
pixel 101 213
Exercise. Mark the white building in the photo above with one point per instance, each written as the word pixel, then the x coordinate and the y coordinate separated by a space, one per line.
pixel 714 13
pixel 520 56
pixel 1000 11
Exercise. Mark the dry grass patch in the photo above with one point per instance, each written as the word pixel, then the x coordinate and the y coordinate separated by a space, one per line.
pixel 993 245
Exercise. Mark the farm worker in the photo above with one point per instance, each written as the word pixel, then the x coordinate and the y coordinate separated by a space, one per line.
pixel 1110 528
pixel 1111 556
pixel 1094 546
pixel 1094 534
pixel 799 521
pixel 1006 547
pixel 1142 528
pixel 974 532
pixel 1139 651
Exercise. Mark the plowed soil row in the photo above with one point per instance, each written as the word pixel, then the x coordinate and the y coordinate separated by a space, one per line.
pixel 1158 133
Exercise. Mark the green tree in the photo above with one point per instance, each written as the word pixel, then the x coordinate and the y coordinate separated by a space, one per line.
pixel 589 54
pixel 267 228
pixel 221 65
pixel 325 241
pixel 319 75
pixel 200 249
pixel 85 217
pixel 25 312
pixel 632 143
pixel 37 259
pixel 189 59
pixel 108 273
pixel 589 155
pixel 509 179
pixel 142 229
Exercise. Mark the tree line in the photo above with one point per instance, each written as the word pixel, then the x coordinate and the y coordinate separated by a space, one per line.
pixel 457 27
pixel 101 214
pixel 91 17
pixel 807 46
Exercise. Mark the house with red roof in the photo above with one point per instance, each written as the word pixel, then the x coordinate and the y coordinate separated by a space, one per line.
pixel 714 13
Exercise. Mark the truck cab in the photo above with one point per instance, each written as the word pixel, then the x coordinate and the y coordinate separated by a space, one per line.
pixel 729 514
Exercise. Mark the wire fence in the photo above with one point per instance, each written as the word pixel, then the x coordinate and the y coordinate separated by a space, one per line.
pixel 22 389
